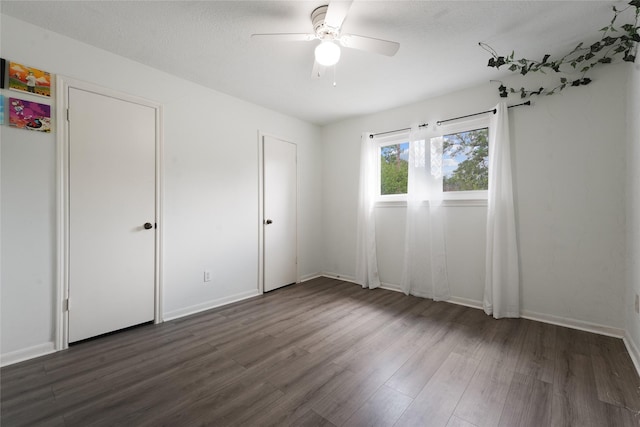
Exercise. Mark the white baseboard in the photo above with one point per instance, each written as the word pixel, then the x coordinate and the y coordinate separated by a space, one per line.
pixel 574 324
pixel 633 351
pixel 308 277
pixel 466 302
pixel 396 288
pixel 175 314
pixel 27 353
pixel 339 277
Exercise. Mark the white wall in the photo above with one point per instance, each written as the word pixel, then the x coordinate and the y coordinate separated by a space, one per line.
pixel 569 166
pixel 633 209
pixel 27 239
pixel 210 188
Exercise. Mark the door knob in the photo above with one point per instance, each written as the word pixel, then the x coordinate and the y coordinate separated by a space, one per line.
pixel 147 226
pixel 268 221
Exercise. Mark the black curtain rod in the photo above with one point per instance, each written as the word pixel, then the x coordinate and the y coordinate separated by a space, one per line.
pixel 439 122
pixel 397 130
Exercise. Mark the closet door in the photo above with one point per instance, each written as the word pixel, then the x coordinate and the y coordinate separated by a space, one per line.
pixel 280 213
pixel 112 233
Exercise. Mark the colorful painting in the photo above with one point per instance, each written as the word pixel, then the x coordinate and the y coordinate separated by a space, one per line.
pixel 29 115
pixel 1 110
pixel 30 80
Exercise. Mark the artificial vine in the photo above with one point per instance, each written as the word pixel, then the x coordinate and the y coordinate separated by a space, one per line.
pixel 616 42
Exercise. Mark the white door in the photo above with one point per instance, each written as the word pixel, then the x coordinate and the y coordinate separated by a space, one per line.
pixel 111 197
pixel 280 213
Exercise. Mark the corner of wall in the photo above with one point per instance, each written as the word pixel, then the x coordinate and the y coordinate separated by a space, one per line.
pixel 632 319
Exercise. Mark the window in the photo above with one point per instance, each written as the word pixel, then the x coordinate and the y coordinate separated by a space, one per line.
pixel 462 151
pixel 394 168
pixel 465 160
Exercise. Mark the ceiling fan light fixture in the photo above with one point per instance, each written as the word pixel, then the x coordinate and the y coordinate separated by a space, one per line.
pixel 327 53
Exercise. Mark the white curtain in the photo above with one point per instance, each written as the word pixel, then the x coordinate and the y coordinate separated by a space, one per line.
pixel 424 270
pixel 366 259
pixel 502 281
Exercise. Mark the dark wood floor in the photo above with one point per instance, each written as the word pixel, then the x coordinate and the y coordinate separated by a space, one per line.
pixel 331 353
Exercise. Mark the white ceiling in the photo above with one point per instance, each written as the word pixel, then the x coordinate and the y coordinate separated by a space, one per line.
pixel 209 42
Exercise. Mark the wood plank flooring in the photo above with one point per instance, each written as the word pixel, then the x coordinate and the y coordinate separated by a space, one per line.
pixel 329 353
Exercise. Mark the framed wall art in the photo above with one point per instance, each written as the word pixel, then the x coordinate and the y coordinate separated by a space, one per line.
pixel 29 79
pixel 3 74
pixel 29 115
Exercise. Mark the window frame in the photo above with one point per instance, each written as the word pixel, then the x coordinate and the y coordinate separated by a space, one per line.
pixel 384 141
pixel 458 127
pixel 449 198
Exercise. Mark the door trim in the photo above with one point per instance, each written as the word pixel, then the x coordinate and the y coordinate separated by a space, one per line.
pixel 261 136
pixel 63 84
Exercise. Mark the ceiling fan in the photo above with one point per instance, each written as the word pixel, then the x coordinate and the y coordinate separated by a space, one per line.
pixel 327 23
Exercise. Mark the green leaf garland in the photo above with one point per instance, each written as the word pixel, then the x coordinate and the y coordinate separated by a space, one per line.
pixel 616 42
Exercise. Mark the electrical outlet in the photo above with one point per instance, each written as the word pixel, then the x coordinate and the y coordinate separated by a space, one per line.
pixel 207 276
pixel 637 304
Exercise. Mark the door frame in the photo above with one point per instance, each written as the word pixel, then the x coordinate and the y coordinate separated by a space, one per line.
pixel 63 84
pixel 261 218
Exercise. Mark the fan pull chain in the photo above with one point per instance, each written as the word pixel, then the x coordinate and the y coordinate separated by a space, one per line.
pixel 334 75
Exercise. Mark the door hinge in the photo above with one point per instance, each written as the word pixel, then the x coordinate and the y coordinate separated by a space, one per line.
pixel 67 114
pixel 65 305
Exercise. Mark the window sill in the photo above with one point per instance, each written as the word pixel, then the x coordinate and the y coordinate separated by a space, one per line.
pixel 445 203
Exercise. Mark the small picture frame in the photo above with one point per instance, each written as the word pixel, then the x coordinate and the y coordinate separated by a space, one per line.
pixel 30 80
pixel 29 115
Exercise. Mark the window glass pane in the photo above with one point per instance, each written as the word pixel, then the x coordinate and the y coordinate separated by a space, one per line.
pixel 394 167
pixel 465 160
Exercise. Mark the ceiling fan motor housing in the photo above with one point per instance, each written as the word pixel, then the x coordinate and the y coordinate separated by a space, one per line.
pixel 319 27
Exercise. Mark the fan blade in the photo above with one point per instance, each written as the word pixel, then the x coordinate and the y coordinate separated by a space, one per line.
pixel 285 37
pixel 318 70
pixel 369 44
pixel 336 13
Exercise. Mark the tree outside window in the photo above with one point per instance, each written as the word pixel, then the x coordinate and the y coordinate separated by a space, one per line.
pixel 394 168
pixel 466 160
